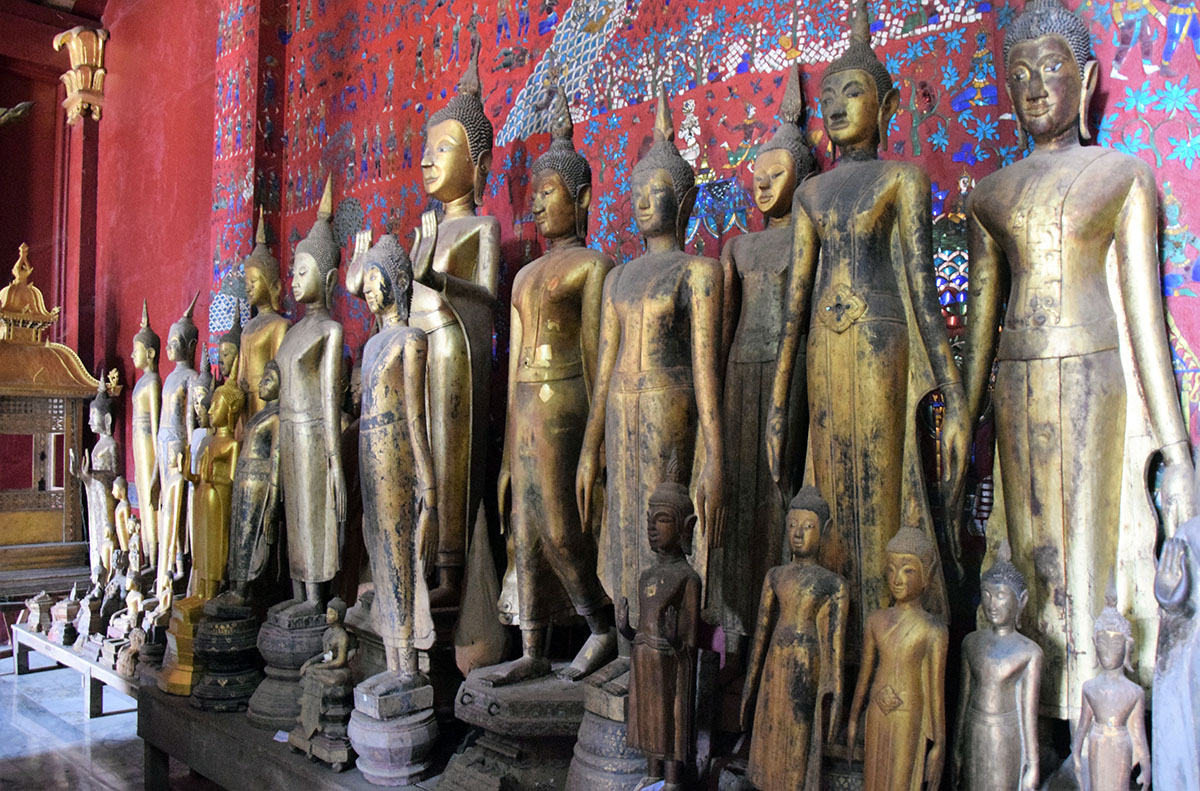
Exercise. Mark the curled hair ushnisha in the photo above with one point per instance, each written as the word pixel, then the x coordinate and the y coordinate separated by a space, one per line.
pixel 146 336
pixel 185 328
pixel 789 136
pixel 466 107
pixel 320 243
pixel 260 257
pixel 1045 18
pixel 912 541
pixel 663 155
pixel 672 494
pixel 809 499
pixel 859 54
pixel 234 398
pixel 389 257
pixel 561 157
pixel 1003 572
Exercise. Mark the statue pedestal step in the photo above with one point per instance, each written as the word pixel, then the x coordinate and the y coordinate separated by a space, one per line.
pixel 285 642
pixel 394 747
pixel 228 650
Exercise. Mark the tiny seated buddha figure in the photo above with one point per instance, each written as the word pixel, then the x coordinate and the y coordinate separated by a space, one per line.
pixel 214 492
pixel 310 418
pixel 657 389
pixel 995 742
pixel 662 681
pixel 396 472
pixel 554 332
pixel 1063 254
pixel 863 290
pixel 756 267
pixel 262 335
pixel 146 406
pixel 255 514
pixel 175 426
pixel 327 696
pixel 793 688
pixel 1176 752
pixel 904 672
pixel 1110 738
pixel 229 349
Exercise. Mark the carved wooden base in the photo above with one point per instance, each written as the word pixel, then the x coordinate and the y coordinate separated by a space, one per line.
pixel 602 760
pixel 228 650
pixel 285 644
pixel 396 751
pixel 180 670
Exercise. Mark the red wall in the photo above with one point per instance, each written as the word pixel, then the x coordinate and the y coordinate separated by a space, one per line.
pixel 155 173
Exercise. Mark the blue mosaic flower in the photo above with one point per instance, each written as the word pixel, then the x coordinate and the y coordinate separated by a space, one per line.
pixel 953 39
pixel 940 140
pixel 1104 130
pixel 1137 100
pixel 987 129
pixel 1185 151
pixel 1175 97
pixel 1131 143
pixel 950 76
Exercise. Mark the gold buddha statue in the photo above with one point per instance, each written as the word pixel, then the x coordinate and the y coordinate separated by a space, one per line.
pixel 756 267
pixel 456 269
pixel 175 426
pixel 229 349
pixel 21 296
pixel 125 525
pixel 97 470
pixel 262 335
pixel 1084 389
pixel 199 401
pixel 657 387
pixel 863 289
pixel 213 495
pixel 554 333
pixel 310 418
pixel 146 405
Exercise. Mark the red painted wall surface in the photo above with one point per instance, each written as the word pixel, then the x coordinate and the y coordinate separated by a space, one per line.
pixel 155 174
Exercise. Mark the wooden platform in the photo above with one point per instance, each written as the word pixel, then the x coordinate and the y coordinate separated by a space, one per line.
pixel 228 750
pixel 95 675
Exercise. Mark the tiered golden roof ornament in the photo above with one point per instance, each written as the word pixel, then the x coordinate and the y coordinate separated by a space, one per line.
pixel 30 365
pixel 85 80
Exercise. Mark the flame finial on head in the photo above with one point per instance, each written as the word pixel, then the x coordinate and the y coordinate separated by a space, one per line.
pixel 562 157
pixel 663 155
pixel 790 134
pixel 260 233
pixel 664 126
pixel 859 54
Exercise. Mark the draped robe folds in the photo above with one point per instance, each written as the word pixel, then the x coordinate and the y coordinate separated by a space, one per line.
pixel 255 496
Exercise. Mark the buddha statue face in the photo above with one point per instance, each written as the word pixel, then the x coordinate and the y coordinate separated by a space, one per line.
pixel 227 355
pixel 307 287
pixel 851 109
pixel 141 356
pixel 774 182
pixel 268 386
pixel 119 489
pixel 803 532
pixel 662 528
pixel 1111 649
pixel 200 404
pixel 180 348
pixel 377 291
pixel 1045 86
pixel 222 413
pixel 1001 604
pixel 554 210
pixel 259 289
pixel 446 165
pixel 905 576
pixel 655 204
pixel 99 421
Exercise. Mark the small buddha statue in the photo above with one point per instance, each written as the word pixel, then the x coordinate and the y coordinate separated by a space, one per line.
pixel 1112 725
pixel 456 269
pixel 97 470
pixel 904 672
pixel 199 401
pixel 262 335
pixel 327 696
pixel 1079 350
pixel 21 296
pixel 310 418
pixel 229 349
pixel 794 685
pixel 756 267
pixel 396 471
pixel 255 514
pixel 662 682
pixel 657 386
pixel 213 480
pixel 995 742
pixel 1176 752
pixel 174 432
pixel 863 278
pixel 136 554
pixel 123 521
pixel 553 337
pixel 146 406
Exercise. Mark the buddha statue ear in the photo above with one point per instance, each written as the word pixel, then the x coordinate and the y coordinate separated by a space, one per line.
pixel 583 203
pixel 330 282
pixel 481 174
pixel 887 108
pixel 1090 70
pixel 686 203
pixel 108 421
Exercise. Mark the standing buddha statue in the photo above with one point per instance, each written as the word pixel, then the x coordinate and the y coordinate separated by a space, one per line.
pixel 657 383
pixel 146 405
pixel 97 470
pixel 229 349
pixel 1084 389
pixel 174 431
pixel 199 401
pixel 756 268
pixel 554 332
pixel 262 335
pixel 876 341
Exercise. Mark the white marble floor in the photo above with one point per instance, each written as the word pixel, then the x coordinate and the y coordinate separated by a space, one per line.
pixel 48 743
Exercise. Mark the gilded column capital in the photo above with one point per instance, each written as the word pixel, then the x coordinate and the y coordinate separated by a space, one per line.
pixel 85 80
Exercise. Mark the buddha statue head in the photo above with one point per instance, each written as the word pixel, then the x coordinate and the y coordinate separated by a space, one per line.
pixel 229 347
pixel 807 516
pixel 335 611
pixel 100 418
pixel 1003 590
pixel 227 403
pixel 263 283
pixel 670 514
pixel 664 185
pixel 562 179
pixel 858 98
pixel 458 142
pixel 200 396
pixel 183 336
pixel 387 277
pixel 315 264
pixel 785 160
pixel 268 386
pixel 911 559
pixel 145 344
pixel 1051 75
pixel 120 488
pixel 1112 633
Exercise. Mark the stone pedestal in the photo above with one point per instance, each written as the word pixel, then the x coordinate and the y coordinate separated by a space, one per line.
pixel 62 626
pixel 394 734
pixel 180 671
pixel 87 622
pixel 226 645
pixel 39 612
pixel 603 761
pixel 285 643
pixel 326 700
pixel 529 732
pixel 110 650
